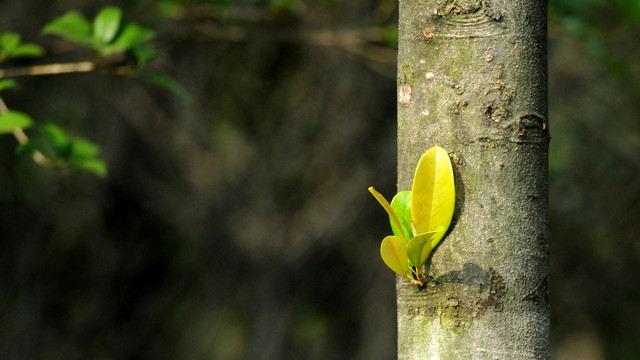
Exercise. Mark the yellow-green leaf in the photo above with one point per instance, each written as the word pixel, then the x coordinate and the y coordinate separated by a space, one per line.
pixel 72 26
pixel 420 247
pixel 27 50
pixel 387 207
pixel 7 84
pixel 433 193
pixel 9 41
pixel 106 24
pixel 12 120
pixel 394 254
pixel 401 205
pixel 130 35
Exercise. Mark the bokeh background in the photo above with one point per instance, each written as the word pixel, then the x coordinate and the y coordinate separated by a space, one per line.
pixel 240 227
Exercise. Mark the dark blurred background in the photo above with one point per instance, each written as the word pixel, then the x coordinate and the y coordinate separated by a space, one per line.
pixel 241 227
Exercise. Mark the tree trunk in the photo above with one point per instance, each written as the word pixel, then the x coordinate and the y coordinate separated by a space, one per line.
pixel 472 78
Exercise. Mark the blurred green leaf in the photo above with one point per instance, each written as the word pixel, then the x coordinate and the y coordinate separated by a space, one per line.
pixel 143 53
pixel 130 36
pixel 11 120
pixel 106 24
pixel 96 166
pixel 7 84
pixel 80 153
pixel 10 47
pixel 171 85
pixel 29 147
pixel 27 49
pixel 9 41
pixel 57 138
pixel 82 148
pixel 72 26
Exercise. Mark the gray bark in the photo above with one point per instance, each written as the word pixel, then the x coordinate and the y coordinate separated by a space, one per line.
pixel 472 78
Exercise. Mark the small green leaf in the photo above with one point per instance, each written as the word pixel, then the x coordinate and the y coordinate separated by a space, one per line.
pixel 29 147
pixel 171 85
pixel 394 254
pixel 433 199
pixel 130 36
pixel 401 205
pixel 72 26
pixel 57 139
pixel 420 247
pixel 12 120
pixel 7 84
pixel 96 166
pixel 143 53
pixel 27 49
pixel 390 211
pixel 79 153
pixel 82 148
pixel 106 24
pixel 9 41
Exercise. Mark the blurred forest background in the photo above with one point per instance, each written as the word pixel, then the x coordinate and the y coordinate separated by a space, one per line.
pixel 240 227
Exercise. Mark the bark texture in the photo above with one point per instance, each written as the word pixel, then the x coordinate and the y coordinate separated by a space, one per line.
pixel 472 78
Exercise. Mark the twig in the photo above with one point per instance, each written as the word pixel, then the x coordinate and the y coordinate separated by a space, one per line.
pixel 49 69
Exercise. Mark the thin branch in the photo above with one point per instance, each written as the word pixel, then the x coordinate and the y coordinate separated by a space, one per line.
pixel 48 69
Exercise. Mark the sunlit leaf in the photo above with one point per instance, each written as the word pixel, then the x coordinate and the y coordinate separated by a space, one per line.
pixel 72 26
pixel 12 120
pixel 394 254
pixel 130 36
pixel 433 198
pixel 7 84
pixel 401 205
pixel 106 24
pixel 387 207
pixel 27 49
pixel 171 85
pixel 420 247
